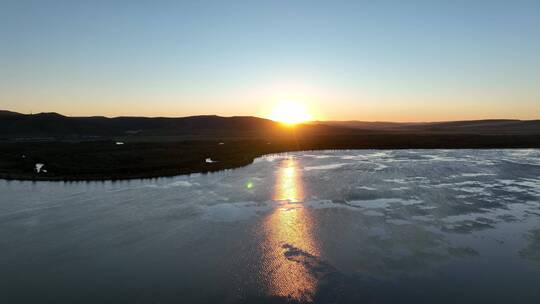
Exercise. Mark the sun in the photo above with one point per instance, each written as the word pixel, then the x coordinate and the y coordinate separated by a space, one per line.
pixel 290 113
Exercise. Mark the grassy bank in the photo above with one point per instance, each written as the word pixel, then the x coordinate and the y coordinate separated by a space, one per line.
pixel 104 160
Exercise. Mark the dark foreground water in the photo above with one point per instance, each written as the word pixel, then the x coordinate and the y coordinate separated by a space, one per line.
pixel 411 226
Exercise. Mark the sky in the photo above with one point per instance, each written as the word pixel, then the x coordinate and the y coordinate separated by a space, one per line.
pixel 344 60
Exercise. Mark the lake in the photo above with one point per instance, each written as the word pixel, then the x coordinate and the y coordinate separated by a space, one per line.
pixel 358 226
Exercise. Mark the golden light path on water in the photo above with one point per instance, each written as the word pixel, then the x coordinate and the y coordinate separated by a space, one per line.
pixel 289 244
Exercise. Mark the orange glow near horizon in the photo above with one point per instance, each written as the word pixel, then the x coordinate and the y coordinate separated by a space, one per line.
pixel 290 113
pixel 384 110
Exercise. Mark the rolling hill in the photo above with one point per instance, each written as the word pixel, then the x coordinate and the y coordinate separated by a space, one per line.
pixel 56 125
pixel 486 127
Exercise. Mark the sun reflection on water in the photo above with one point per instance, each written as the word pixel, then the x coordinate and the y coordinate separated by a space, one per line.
pixel 289 247
pixel 289 186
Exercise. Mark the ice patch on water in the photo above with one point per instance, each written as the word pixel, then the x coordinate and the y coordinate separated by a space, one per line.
pixel 396 180
pixel 180 183
pixel 477 174
pixel 326 204
pixel 326 167
pixel 443 158
pixel 380 167
pixel 400 188
pixel 321 204
pixel 529 182
pixel 474 189
pixel 318 156
pixel 366 188
pixel 526 185
pixel 383 202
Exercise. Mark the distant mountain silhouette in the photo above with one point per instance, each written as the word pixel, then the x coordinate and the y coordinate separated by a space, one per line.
pixel 17 125
pixel 54 124
pixel 8 113
pixel 487 126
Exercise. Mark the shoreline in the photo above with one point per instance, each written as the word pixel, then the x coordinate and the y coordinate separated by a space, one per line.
pixel 218 166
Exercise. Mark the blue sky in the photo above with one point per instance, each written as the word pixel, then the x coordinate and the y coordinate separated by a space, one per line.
pixel 366 60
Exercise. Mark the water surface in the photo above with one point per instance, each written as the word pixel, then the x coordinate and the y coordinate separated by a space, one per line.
pixel 407 226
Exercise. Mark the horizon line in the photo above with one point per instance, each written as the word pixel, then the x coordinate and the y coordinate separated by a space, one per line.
pixel 254 116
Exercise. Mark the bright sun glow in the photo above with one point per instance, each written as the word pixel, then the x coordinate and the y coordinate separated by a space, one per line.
pixel 290 113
